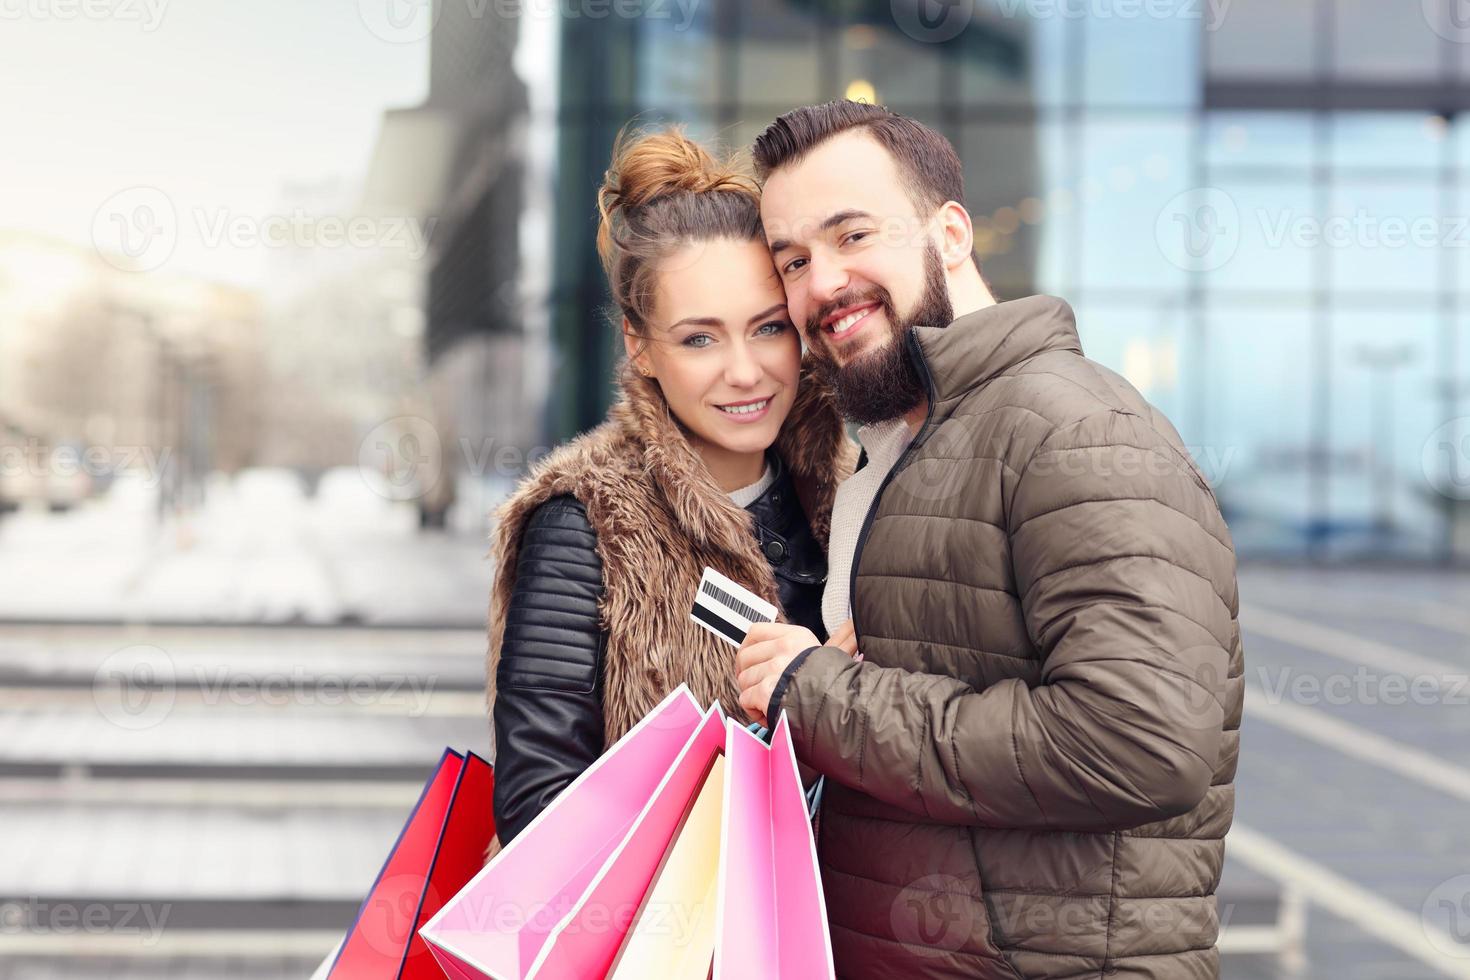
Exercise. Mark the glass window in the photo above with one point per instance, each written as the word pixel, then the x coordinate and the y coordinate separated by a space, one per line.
pixel 1008 58
pixel 1151 58
pixel 1384 406
pixel 1385 235
pixel 1397 140
pixel 1373 40
pixel 1131 176
pixel 779 61
pixel 1256 448
pixel 1279 140
pixel 1263 39
pixel 901 73
pixel 1277 223
pixel 1011 171
pixel 681 64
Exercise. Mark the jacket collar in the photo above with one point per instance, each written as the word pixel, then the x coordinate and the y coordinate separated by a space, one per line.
pixel 812 445
pixel 981 345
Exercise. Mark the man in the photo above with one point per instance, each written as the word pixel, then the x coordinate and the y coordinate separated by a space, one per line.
pixel 1029 770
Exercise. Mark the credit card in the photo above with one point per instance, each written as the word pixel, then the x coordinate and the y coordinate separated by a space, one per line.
pixel 727 609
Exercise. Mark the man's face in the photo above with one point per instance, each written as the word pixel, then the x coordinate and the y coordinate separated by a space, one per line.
pixel 859 266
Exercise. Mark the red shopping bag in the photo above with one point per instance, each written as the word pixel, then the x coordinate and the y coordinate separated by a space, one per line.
pixel 440 849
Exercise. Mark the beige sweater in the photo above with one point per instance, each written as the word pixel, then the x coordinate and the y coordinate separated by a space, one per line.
pixel 884 443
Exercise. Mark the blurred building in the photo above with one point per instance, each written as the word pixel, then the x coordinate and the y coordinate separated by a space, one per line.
pixel 119 372
pixel 1250 204
pixel 457 163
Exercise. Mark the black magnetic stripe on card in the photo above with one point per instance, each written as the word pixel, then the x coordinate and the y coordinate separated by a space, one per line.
pixel 706 615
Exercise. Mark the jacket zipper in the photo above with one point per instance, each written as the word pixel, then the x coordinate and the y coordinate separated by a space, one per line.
pixel 916 354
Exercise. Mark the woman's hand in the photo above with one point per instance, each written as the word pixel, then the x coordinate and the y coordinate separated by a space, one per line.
pixel 845 638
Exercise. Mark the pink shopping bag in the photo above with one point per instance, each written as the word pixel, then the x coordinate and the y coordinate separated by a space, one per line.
pixel 567 895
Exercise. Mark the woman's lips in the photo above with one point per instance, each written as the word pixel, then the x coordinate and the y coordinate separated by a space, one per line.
pixel 746 412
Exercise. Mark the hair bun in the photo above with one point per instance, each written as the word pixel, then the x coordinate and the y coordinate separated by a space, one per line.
pixel 646 166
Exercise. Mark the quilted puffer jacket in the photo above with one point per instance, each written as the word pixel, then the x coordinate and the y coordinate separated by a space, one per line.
pixel 1030 773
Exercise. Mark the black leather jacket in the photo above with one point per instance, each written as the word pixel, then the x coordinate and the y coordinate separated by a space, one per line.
pixel 548 703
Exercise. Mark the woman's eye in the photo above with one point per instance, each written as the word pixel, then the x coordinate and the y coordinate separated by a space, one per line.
pixel 698 340
pixel 772 329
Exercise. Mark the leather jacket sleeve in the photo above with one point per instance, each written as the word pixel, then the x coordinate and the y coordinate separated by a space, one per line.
pixel 548 704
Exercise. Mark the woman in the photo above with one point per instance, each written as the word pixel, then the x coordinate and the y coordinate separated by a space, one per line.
pixel 720 451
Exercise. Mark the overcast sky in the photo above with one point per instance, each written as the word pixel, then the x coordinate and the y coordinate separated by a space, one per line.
pixel 216 103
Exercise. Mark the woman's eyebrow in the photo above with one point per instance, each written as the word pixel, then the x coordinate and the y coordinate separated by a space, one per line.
pixel 764 313
pixel 714 321
pixel 698 321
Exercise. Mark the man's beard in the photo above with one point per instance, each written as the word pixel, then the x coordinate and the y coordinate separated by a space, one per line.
pixel 884 384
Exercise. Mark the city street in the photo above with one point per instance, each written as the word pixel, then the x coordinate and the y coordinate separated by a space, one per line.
pixel 212 802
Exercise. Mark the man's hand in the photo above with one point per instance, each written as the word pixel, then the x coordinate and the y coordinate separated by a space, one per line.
pixel 767 651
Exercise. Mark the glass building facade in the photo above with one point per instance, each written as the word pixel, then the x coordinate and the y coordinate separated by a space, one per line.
pixel 1250 204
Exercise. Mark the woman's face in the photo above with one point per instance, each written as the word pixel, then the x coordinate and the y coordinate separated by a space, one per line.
pixel 721 345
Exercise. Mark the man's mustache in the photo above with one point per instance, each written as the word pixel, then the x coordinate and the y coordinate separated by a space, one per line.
pixel 876 294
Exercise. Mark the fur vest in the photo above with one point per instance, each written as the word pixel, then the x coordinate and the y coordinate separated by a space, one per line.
pixel 660 519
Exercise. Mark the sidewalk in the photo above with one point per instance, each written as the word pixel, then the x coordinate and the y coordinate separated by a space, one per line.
pixel 241 559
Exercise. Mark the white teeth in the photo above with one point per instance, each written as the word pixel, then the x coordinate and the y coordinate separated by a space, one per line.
pixel 841 326
pixel 745 409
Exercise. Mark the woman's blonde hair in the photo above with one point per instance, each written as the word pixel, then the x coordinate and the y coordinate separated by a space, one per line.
pixel 662 192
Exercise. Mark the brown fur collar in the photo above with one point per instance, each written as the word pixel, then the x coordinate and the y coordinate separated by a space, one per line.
pixel 660 518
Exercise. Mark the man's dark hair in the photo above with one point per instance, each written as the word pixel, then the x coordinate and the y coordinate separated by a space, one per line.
pixel 927 162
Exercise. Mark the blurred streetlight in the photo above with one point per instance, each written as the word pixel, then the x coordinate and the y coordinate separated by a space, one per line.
pixel 1382 361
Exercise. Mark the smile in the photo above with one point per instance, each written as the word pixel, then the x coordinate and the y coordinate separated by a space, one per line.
pixel 845 325
pixel 746 410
